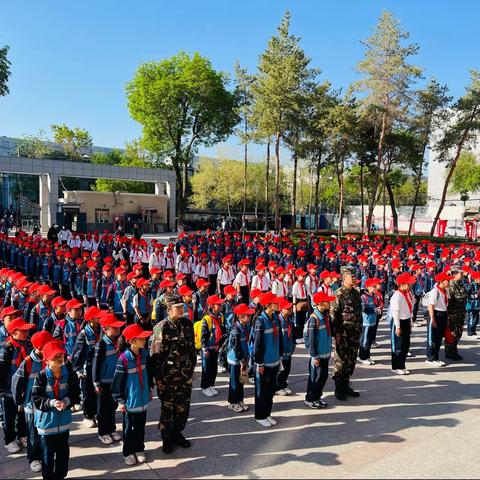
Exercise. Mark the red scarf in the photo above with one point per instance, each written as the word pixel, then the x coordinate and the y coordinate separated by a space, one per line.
pixel 56 388
pixel 247 283
pixel 22 351
pixel 302 289
pixel 274 327
pixel 444 293
pixel 408 299
pixel 326 317
pixel 218 328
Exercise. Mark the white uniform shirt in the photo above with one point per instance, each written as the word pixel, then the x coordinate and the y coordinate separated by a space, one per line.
pixel 201 271
pixel 226 277
pixel 398 308
pixel 311 284
pixel 243 279
pixel 155 260
pixel 299 291
pixel 261 282
pixel 213 267
pixel 279 288
pixel 438 299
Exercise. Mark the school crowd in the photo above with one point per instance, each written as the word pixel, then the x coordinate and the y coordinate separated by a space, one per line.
pixel 96 322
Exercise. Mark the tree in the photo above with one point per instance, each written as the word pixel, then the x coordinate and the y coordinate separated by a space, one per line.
pixel 460 133
pixel 4 71
pixel 387 80
pixel 429 113
pixel 35 146
pixel 243 91
pixel 181 103
pixel 283 72
pixel 466 177
pixel 75 142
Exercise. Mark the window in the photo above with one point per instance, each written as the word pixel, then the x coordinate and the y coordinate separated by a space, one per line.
pixel 5 144
pixel 102 215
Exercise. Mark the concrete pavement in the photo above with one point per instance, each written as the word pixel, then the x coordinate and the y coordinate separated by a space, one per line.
pixel 425 425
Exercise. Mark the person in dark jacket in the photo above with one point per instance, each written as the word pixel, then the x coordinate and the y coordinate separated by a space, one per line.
pixel 55 391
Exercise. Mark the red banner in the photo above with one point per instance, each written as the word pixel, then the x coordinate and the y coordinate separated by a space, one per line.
pixel 442 226
pixel 471 229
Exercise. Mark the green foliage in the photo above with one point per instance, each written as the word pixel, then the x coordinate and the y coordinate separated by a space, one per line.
pixel 75 142
pixel 4 71
pixel 35 146
pixel 466 178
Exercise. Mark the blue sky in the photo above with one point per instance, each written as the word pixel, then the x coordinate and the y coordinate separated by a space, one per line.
pixel 71 60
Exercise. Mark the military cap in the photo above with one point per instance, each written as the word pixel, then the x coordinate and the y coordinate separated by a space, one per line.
pixel 173 299
pixel 346 270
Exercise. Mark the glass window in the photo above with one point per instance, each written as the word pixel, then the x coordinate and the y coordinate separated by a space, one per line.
pixel 102 215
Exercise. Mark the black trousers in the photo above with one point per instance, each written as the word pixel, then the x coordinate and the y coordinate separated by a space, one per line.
pixel 472 322
pixel 416 307
pixel 299 323
pixel 89 397
pixel 235 388
pixel 317 378
pixel 282 376
pixel 366 340
pixel 209 369
pixel 212 288
pixel 401 344
pixel 265 385
pixel 34 449
pixel 245 294
pixel 55 456
pixel 134 432
pixel 106 411
pixel 14 426
pixel 435 335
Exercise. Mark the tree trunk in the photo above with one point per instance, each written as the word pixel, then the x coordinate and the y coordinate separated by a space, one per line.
pixel 267 171
pixel 244 220
pixel 277 181
pixel 294 193
pixel 362 197
pixel 317 187
pixel 179 196
pixel 418 182
pixel 384 199
pixel 393 206
pixel 340 199
pixel 450 173
pixel 381 140
pixel 310 180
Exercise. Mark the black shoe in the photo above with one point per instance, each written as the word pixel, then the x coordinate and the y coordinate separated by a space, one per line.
pixel 182 441
pixel 454 356
pixel 350 392
pixel 167 447
pixel 340 394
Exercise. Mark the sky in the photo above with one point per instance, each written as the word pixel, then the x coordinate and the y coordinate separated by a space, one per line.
pixel 72 60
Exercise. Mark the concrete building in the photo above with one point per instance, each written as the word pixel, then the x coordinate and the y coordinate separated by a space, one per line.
pixel 87 211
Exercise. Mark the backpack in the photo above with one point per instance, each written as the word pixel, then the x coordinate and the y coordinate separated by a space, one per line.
pixel 427 297
pixel 306 337
pixel 197 330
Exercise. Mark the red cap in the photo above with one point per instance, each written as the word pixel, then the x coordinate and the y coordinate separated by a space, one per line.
pixel 300 272
pixel 201 282
pixel 19 324
pixel 74 303
pixel 243 309
pixel 110 320
pixel 256 292
pixel 244 261
pixel 39 339
pixel 10 311
pixel 52 349
pixel 184 290
pixel 142 282
pixel 155 270
pixel 215 300
pixel 229 290
pixel 120 271
pixel 135 331
pixel 46 290
pixel 322 297
pixel 166 283
pixel 93 312
pixel 406 278
pixel 58 302
pixel 181 276
pixel 285 304
pixel 268 298
pixel 443 276
pixel 106 268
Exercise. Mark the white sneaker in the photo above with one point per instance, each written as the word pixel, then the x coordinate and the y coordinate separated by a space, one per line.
pixel 282 392
pixel 368 361
pixel 264 423
pixel 207 392
pixel 23 442
pixel 244 407
pixel 409 355
pixel 375 345
pixel 13 447
pixel 77 407
pixel 251 380
pixel 406 372
pixel 141 457
pixel 214 391
pixel 235 407
pixel 272 420
pixel 299 341
pixel 106 439
pixel 130 460
pixel 89 423
pixel 289 391
pixel 116 437
pixel 433 363
pixel 440 363
pixel 398 371
pixel 36 466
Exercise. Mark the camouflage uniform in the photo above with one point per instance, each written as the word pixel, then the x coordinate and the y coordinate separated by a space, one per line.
pixel 346 314
pixel 456 315
pixel 173 360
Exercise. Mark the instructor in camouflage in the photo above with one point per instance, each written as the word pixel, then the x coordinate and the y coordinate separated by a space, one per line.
pixel 457 301
pixel 173 362
pixel 346 314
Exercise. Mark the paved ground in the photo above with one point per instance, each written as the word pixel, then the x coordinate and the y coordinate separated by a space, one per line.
pixel 426 425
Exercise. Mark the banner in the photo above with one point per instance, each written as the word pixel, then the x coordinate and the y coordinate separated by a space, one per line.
pixel 442 226
pixel 471 229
